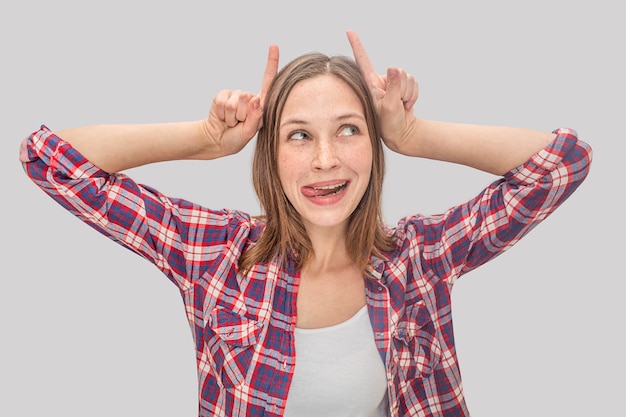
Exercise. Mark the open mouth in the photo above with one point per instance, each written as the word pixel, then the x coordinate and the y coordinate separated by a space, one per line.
pixel 325 190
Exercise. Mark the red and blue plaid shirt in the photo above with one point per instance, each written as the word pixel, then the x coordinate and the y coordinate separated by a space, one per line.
pixel 243 327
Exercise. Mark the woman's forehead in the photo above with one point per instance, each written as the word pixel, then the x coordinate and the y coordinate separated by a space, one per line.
pixel 321 95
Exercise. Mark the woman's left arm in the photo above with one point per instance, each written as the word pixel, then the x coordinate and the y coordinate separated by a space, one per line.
pixel 494 149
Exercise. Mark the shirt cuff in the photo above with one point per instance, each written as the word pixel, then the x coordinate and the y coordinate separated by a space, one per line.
pixel 546 160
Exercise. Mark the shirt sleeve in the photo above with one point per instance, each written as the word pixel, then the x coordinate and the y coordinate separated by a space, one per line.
pixel 465 237
pixel 179 237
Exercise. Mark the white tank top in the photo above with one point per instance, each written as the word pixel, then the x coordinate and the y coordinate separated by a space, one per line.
pixel 338 372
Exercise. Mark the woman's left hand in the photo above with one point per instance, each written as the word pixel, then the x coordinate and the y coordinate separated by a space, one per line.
pixel 394 93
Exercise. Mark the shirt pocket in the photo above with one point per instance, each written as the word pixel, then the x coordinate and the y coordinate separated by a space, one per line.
pixel 417 349
pixel 231 347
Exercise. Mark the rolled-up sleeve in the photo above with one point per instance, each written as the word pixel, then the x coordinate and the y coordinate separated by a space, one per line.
pixel 468 235
pixel 179 237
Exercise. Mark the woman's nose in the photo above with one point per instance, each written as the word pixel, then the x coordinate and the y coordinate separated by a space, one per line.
pixel 326 156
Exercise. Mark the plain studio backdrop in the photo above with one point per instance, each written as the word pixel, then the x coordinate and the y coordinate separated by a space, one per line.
pixel 90 329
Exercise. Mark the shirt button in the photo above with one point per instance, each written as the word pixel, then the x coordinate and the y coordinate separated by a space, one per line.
pixel 380 288
pixel 285 365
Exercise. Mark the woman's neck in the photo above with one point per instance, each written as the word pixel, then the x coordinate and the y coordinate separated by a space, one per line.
pixel 329 248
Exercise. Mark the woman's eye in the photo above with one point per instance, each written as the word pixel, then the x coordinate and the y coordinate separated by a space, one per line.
pixel 298 136
pixel 349 130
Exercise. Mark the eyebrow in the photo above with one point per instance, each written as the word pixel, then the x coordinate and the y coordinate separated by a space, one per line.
pixel 345 116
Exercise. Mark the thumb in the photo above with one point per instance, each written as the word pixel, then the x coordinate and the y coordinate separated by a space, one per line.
pixel 253 119
pixel 393 88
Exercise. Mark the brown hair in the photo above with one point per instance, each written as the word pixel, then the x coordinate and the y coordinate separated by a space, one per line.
pixel 284 234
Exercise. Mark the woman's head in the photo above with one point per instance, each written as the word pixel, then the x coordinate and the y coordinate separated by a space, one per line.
pixel 324 153
pixel 285 231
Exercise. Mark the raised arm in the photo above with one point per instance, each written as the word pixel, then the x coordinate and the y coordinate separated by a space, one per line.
pixel 233 120
pixel 494 149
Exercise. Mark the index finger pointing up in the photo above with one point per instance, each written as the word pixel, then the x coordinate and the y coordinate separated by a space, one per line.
pixel 360 55
pixel 271 69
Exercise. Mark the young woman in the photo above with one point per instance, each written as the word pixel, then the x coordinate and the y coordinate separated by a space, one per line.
pixel 316 307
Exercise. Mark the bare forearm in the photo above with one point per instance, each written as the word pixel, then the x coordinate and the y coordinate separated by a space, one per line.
pixel 494 149
pixel 115 148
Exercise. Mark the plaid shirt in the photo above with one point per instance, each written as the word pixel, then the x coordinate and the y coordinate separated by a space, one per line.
pixel 243 327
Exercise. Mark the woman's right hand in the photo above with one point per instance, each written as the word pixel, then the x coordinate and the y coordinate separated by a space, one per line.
pixel 236 116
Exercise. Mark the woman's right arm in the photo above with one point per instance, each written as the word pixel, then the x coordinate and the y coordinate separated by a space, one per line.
pixel 233 120
pixel 79 167
pixel 135 216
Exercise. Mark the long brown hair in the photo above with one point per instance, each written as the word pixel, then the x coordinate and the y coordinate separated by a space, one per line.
pixel 284 235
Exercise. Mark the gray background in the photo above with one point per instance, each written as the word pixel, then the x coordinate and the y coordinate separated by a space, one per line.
pixel 88 328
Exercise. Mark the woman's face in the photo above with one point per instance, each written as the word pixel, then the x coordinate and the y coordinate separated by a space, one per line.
pixel 324 151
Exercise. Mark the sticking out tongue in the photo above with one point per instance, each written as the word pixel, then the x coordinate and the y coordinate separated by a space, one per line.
pixel 322 192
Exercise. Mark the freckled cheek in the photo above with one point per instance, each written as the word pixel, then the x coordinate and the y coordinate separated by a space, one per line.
pixel 289 170
pixel 360 160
